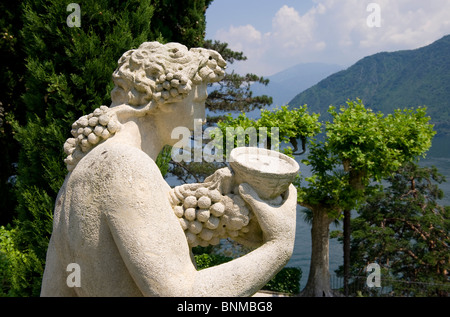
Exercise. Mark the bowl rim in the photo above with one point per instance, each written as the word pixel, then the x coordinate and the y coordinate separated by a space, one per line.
pixel 236 164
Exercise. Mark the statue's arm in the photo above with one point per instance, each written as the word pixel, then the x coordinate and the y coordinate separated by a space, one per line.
pixel 154 247
pixel 247 274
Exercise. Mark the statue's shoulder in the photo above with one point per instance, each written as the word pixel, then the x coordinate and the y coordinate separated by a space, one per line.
pixel 118 161
pixel 114 175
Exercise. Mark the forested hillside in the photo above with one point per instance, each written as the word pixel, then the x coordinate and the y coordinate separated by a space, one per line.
pixel 387 81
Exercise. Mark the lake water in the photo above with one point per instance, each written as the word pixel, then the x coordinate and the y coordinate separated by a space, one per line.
pixel 439 156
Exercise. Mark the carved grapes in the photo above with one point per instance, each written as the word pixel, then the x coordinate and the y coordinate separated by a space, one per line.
pixel 87 132
pixel 207 216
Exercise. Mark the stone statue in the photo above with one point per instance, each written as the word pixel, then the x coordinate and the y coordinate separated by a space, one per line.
pixel 120 223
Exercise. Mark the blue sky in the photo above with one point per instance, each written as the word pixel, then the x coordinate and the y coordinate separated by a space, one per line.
pixel 278 34
pixel 223 13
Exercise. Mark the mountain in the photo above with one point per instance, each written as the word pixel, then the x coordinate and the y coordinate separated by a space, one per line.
pixel 390 80
pixel 283 86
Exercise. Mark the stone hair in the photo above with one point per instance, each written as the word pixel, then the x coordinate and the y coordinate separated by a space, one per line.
pixel 163 73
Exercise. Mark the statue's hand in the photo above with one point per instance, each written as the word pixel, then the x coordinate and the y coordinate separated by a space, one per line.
pixel 222 180
pixel 277 222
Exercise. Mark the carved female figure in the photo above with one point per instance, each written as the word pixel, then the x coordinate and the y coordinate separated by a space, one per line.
pixel 114 216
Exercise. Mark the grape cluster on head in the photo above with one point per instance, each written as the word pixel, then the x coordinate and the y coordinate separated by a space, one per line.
pixel 164 73
pixel 171 85
pixel 207 216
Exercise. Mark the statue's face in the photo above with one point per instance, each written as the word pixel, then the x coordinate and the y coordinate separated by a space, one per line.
pixel 200 95
pixel 183 113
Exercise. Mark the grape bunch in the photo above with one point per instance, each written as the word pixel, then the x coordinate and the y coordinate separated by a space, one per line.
pixel 207 216
pixel 88 131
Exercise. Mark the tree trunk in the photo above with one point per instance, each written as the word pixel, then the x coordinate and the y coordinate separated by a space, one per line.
pixel 347 233
pixel 356 182
pixel 318 284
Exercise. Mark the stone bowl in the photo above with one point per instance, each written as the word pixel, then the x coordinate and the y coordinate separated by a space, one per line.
pixel 269 172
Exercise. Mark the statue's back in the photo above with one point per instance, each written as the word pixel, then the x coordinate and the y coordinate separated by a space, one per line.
pixel 81 236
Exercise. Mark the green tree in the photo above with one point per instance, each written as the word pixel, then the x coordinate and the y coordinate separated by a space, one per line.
pixel 288 125
pixel 181 21
pixel 359 147
pixel 12 82
pixel 233 93
pixel 405 230
pixel 370 151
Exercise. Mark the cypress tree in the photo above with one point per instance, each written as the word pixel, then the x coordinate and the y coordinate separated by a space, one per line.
pixel 12 71
pixel 182 21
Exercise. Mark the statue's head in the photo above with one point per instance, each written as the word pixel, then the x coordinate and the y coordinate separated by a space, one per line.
pixel 155 74
pixel 152 77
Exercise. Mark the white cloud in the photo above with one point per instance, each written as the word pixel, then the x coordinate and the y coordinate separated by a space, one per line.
pixel 413 23
pixel 337 32
pixel 244 39
pixel 292 31
pixel 240 36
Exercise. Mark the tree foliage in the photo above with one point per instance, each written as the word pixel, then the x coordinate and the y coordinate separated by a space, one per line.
pixel 233 93
pixel 361 146
pixel 12 82
pixel 289 125
pixel 405 230
pixel 181 21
